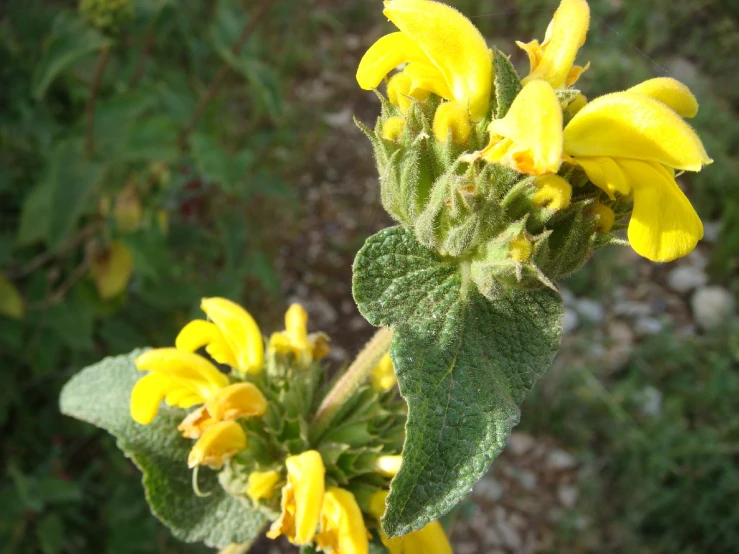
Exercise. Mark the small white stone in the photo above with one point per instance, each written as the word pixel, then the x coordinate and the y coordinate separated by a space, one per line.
pixel 650 401
pixel 648 326
pixel 527 479
pixel 685 278
pixel 711 231
pixel 571 321
pixel 590 310
pixel 629 308
pixel 712 307
pixel 567 496
pixel 519 443
pixel 489 488
pixel 559 460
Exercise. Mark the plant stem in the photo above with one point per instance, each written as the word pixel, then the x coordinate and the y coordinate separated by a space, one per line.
pixel 355 375
pixel 94 88
pixel 224 70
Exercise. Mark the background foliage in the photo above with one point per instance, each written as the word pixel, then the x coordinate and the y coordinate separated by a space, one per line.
pixel 131 186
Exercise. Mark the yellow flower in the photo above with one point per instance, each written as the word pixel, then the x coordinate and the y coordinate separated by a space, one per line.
pixel 184 379
pixel 529 137
pixel 553 60
pixel 520 249
pixel 388 466
pixel 229 403
pixel 629 143
pixel 219 442
pixel 445 53
pixel 451 121
pixel 393 128
pixel 431 539
pixel 383 376
pixel 295 339
pixel 342 525
pixel 231 336
pixel 261 485
pixel 400 92
pixel 302 498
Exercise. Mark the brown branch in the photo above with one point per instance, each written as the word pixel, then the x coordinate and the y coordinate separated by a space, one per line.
pixel 63 248
pixel 224 70
pixel 58 295
pixel 94 89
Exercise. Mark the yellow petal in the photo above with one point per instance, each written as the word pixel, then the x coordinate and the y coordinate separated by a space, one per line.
pixel 382 376
pixel 577 104
pixel 147 395
pixel 664 225
pixel 671 92
pixel 451 120
pixel 112 270
pixel 185 370
pixel 296 323
pixel 388 466
pixel 237 400
pixel 302 498
pixel 240 332
pixel 342 526
pixel 605 174
pixel 552 192
pixel 199 333
pixel 453 45
pixel 385 55
pixel 534 126
pixel 565 35
pixel 402 91
pixel 261 485
pixel 11 301
pixel 195 424
pixel 219 442
pixel 425 76
pixel 430 539
pixel 632 125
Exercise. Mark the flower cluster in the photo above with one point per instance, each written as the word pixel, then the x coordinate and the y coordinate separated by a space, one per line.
pixel 256 422
pixel 524 178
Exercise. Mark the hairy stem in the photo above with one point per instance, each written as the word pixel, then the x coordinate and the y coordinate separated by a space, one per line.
pixel 355 375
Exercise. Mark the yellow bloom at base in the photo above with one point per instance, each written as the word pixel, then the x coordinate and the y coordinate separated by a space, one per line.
pixel 231 336
pixel 529 137
pixel 431 539
pixel 342 524
pixel 445 53
pixel 219 442
pixel 630 143
pixel 261 485
pixel 184 379
pixel 388 466
pixel 383 375
pixel 302 498
pixel 553 60
pixel 295 339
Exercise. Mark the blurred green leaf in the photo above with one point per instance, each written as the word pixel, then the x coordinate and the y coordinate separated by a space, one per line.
pixel 36 214
pixel 70 40
pixel 72 179
pixel 72 321
pixel 152 139
pixel 116 115
pixel 218 165
pixel 50 531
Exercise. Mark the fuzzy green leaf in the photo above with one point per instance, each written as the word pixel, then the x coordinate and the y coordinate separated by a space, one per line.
pixel 507 83
pixel 100 395
pixel 464 364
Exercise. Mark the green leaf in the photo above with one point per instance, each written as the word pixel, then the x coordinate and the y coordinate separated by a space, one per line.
pixel 507 83
pixel 464 364
pixel 72 178
pixel 152 139
pixel 216 164
pixel 100 395
pixel 70 40
pixel 35 214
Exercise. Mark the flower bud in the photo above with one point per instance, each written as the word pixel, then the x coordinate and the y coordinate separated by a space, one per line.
pixel 452 120
pixel 606 217
pixel 393 128
pixel 401 94
pixel 553 192
pixel 520 249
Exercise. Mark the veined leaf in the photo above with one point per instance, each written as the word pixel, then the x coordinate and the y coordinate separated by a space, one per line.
pixel 70 40
pixel 464 364
pixel 100 394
